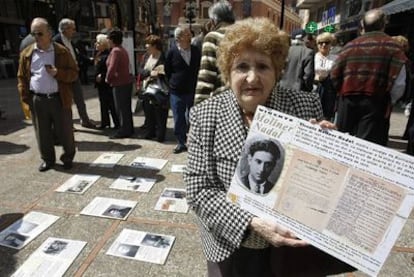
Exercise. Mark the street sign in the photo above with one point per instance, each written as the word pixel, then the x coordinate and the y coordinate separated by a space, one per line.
pixel 311 27
pixel 329 28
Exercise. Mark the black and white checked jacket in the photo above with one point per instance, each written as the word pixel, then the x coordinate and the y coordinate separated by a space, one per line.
pixel 215 142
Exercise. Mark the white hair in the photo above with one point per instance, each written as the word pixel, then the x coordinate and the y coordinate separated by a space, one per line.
pixel 64 23
pixel 102 39
pixel 178 31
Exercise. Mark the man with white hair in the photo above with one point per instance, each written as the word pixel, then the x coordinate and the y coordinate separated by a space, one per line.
pixel 181 68
pixel 67 30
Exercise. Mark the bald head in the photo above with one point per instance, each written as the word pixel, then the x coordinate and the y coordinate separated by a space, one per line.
pixel 41 32
pixel 374 20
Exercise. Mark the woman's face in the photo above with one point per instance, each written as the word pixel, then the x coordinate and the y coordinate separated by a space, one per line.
pixel 99 46
pixel 252 79
pixel 324 46
pixel 151 49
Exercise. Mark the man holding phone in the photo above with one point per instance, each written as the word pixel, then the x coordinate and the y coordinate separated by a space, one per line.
pixel 44 81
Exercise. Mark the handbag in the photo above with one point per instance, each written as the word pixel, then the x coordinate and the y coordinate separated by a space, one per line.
pixel 156 92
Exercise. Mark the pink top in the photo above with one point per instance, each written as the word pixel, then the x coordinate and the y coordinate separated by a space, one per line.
pixel 118 67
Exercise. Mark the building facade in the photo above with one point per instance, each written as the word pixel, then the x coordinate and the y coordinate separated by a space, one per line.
pixel 137 17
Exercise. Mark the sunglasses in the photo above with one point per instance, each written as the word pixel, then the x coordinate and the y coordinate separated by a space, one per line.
pixel 36 34
pixel 322 42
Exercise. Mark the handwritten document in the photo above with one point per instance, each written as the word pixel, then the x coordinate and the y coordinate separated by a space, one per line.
pixel 346 196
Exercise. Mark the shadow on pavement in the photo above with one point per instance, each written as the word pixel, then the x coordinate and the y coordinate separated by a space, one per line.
pixel 12 148
pixel 11 125
pixel 7 260
pixel 111 173
pixel 105 146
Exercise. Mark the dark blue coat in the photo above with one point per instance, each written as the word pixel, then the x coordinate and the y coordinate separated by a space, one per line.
pixel 182 78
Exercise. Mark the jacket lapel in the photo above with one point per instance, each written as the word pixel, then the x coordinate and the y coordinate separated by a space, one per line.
pixel 231 132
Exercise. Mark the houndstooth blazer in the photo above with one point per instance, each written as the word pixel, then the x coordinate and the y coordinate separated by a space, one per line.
pixel 215 142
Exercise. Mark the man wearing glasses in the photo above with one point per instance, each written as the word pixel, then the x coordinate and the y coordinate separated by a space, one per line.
pixel 44 81
pixel 67 30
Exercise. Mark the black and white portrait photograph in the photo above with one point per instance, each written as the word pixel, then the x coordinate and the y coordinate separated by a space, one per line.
pixel 127 250
pixel 174 194
pixel 116 211
pixel 55 247
pixel 79 187
pixel 14 240
pixel 156 241
pixel 261 164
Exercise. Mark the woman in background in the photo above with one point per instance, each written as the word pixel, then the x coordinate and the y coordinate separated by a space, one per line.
pixel 118 76
pixel 323 65
pixel 156 114
pixel 106 99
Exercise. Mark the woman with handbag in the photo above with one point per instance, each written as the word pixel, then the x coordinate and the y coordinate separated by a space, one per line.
pixel 106 99
pixel 154 95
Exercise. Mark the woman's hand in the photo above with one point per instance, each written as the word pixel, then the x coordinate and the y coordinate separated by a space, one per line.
pixel 323 123
pixel 154 73
pixel 275 234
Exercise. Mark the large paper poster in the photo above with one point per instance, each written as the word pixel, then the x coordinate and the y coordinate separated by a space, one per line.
pixel 344 195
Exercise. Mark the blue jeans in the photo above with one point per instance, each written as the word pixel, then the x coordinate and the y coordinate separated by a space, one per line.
pixel 180 106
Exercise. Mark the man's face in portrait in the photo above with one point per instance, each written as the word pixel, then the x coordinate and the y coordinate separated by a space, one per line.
pixel 261 165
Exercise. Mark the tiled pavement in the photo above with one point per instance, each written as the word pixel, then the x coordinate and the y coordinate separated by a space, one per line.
pixel 24 189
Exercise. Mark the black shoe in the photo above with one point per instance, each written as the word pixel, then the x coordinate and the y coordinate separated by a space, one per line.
pixel 179 148
pixel 67 165
pixel 45 166
pixel 88 124
pixel 149 136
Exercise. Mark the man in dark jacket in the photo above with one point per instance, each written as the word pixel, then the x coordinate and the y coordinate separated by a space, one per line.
pixel 300 68
pixel 67 29
pixel 181 68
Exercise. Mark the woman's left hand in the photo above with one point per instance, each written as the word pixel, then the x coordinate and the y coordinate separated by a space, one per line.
pixel 325 124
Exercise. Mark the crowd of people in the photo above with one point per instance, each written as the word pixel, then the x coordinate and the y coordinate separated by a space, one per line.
pixel 213 90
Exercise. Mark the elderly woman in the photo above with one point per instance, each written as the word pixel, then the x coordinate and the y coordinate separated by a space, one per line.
pixel 119 78
pixel 152 71
pixel 106 99
pixel 235 242
pixel 323 65
pixel 209 83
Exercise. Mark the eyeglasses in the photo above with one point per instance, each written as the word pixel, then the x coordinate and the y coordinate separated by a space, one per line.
pixel 36 34
pixel 322 42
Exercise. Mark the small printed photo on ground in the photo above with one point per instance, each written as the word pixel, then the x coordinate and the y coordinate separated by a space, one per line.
pixel 116 211
pixel 55 247
pixel 173 194
pixel 156 241
pixel 127 250
pixel 79 187
pixel 14 240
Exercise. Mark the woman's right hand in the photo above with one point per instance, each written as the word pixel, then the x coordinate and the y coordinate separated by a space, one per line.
pixel 275 234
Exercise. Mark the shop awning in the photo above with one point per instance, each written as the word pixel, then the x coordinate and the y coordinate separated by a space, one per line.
pixel 398 6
